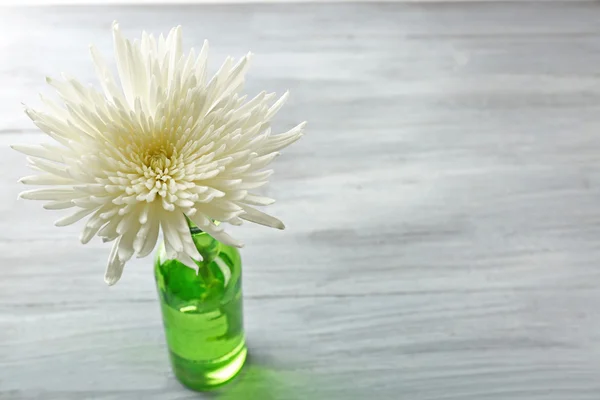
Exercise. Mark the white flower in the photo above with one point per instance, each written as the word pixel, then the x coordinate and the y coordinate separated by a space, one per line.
pixel 169 144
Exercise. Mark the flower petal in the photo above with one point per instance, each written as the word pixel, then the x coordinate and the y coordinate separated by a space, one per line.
pixel 46 179
pixel 151 237
pixel 59 205
pixel 38 151
pixel 253 215
pixel 71 219
pixel 255 200
pixel 126 250
pixel 187 261
pixel 114 270
pixel 49 194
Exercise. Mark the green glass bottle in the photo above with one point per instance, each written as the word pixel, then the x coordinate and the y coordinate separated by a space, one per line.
pixel 203 313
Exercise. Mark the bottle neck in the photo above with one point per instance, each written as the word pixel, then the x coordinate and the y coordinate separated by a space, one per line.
pixel 194 230
pixel 208 246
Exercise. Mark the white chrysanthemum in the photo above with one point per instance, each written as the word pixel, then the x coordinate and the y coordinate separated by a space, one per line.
pixel 169 144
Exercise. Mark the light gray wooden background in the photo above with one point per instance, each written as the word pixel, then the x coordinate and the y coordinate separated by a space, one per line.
pixel 443 210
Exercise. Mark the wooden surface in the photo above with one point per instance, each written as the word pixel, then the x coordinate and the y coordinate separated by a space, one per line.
pixel 443 210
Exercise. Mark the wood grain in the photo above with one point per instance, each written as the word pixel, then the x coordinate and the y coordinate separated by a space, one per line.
pixel 443 210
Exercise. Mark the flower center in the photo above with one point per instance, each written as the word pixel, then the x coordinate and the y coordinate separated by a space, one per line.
pixel 159 176
pixel 158 162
